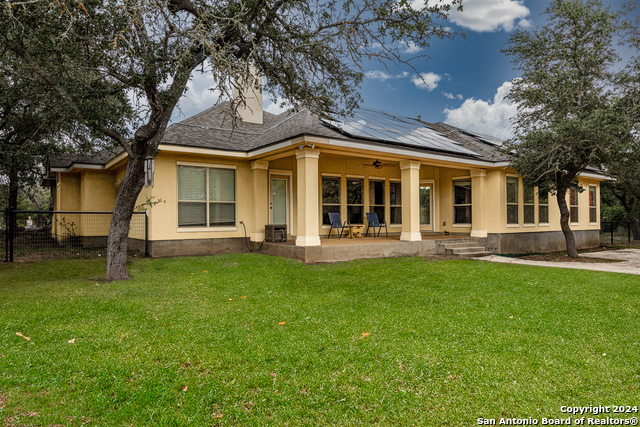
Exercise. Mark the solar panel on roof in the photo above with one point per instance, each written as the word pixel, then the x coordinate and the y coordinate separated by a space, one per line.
pixel 387 127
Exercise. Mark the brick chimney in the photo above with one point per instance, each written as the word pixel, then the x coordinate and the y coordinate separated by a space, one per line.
pixel 252 111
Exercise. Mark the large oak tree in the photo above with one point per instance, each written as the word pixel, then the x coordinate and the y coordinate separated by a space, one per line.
pixel 569 115
pixel 96 55
pixel 29 128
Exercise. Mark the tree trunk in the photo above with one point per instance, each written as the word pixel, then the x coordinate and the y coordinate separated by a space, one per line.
pixel 13 197
pixel 13 189
pixel 121 220
pixel 561 195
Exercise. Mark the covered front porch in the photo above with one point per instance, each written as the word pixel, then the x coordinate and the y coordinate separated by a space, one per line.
pixel 415 198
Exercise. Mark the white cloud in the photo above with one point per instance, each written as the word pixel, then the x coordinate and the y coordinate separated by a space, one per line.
pixel 452 96
pixel 410 47
pixel 491 118
pixel 277 107
pixel 199 95
pixel 525 23
pixel 487 15
pixel 427 81
pixel 377 74
pixel 383 75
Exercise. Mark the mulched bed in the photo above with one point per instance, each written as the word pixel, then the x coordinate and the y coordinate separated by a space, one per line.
pixel 562 257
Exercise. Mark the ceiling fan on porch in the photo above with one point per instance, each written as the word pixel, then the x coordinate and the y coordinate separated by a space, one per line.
pixel 379 165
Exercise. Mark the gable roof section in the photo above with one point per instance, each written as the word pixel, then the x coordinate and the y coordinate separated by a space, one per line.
pixel 213 128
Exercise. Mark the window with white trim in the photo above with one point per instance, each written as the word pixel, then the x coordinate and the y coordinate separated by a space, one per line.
pixel 573 203
pixel 593 205
pixel 425 205
pixel 206 197
pixel 512 199
pixel 376 198
pixel 528 202
pixel 462 201
pixel 543 206
pixel 395 202
pixel 355 200
pixel 330 197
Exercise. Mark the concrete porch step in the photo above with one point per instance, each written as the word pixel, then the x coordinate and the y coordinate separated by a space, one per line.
pixel 471 248
pixel 456 245
pixel 466 249
pixel 471 252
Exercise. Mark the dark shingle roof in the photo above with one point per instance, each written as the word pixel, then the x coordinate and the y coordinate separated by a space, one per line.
pixel 65 160
pixel 485 150
pixel 214 129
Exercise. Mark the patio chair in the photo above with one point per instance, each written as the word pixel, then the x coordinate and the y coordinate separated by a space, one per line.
pixel 373 221
pixel 336 223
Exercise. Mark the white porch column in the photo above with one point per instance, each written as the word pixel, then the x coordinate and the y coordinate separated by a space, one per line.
pixel 307 197
pixel 410 174
pixel 478 203
pixel 260 217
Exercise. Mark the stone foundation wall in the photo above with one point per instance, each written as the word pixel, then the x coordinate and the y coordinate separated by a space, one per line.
pixel 353 251
pixel 550 241
pixel 197 247
pixel 311 254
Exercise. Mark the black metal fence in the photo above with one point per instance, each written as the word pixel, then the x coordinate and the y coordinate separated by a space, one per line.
pixel 619 232
pixel 36 235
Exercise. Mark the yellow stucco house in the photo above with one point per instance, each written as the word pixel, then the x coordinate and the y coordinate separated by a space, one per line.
pixel 425 180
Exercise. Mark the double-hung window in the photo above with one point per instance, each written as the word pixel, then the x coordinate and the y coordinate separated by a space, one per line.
pixel 355 200
pixel 529 203
pixel 206 196
pixel 543 206
pixel 593 205
pixel 425 205
pixel 573 203
pixel 462 201
pixel 395 202
pixel 330 197
pixel 376 198
pixel 512 200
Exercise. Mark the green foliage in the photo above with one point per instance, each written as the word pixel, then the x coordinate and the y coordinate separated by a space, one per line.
pixel 30 197
pixel 309 51
pixel 32 126
pixel 569 112
pixel 617 204
pixel 568 115
pixel 149 203
pixel 448 342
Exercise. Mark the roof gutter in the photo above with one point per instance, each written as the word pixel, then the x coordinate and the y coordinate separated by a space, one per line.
pixel 77 166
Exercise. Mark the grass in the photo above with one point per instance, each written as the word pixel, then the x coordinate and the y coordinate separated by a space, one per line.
pixel 199 341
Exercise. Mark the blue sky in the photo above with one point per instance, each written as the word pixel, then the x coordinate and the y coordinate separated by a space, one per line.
pixel 467 78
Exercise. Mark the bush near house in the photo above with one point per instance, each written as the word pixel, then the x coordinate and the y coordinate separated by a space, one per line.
pixel 256 340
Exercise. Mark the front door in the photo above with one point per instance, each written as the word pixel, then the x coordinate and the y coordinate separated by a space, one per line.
pixel 426 210
pixel 279 203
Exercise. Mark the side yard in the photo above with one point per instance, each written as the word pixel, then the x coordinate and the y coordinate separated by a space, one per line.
pixel 257 340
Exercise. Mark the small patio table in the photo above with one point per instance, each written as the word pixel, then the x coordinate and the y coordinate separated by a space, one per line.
pixel 354 231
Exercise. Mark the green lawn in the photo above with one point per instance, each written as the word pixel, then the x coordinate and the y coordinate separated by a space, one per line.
pixel 188 340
